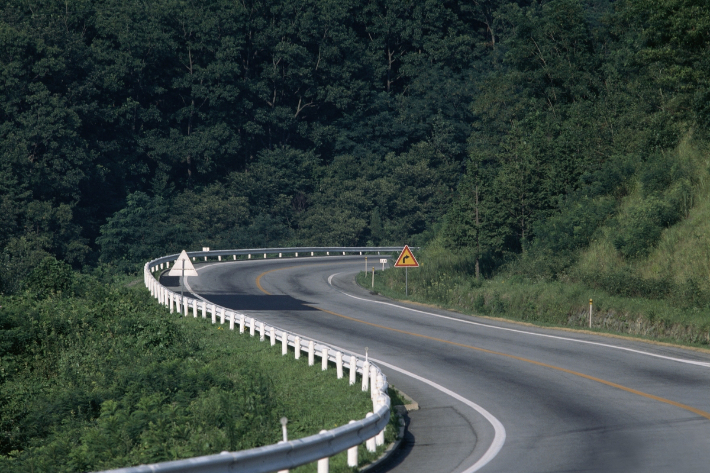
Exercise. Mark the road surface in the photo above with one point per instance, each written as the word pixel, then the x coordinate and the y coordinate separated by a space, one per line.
pixel 567 401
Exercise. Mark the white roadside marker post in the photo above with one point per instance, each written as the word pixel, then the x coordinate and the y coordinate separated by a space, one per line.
pixel 590 313
pixel 284 421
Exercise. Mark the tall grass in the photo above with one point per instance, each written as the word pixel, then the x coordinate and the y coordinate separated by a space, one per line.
pixel 447 280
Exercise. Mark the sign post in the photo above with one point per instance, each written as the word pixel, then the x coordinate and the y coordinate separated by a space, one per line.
pixel 183 267
pixel 406 260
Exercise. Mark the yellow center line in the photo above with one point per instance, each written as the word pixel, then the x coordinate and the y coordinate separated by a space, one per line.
pixel 692 409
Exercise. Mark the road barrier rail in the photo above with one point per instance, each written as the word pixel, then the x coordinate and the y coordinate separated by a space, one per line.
pixel 285 454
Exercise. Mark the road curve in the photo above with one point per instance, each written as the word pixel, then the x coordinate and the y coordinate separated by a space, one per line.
pixel 568 401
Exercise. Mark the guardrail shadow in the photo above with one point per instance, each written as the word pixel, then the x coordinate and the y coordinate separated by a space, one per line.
pixel 258 302
pixel 397 457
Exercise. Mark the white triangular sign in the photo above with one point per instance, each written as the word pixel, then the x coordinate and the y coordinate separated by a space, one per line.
pixel 177 268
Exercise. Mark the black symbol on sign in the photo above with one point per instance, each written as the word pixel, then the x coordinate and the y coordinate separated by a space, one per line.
pixel 404 260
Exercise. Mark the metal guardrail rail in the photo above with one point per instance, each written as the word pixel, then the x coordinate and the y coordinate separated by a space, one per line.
pixel 293 453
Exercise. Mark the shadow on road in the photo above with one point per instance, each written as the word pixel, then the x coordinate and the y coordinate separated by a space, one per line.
pixel 397 457
pixel 258 302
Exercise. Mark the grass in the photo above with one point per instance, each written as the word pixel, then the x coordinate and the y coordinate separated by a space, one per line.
pixel 545 303
pixel 106 378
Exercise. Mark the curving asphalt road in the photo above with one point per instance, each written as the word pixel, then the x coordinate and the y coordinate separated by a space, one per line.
pixel 567 401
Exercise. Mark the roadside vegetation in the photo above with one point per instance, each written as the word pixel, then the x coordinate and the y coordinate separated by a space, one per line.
pixel 541 152
pixel 97 376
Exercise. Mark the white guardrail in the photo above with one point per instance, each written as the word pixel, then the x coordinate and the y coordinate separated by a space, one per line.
pixel 288 454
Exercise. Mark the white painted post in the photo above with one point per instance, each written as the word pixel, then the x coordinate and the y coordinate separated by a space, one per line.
pixel 252 327
pixel 204 309
pixel 194 308
pixel 365 376
pixel 284 343
pixel 221 316
pixel 343 253
pixel 370 443
pixel 185 304
pixel 264 255
pixel 273 336
pixel 380 437
pixel 219 258
pixel 380 382
pixel 161 265
pixel 353 369
pixel 279 255
pixel 311 353
pixel 323 466
pixel 311 253
pixel 242 323
pixel 214 314
pixel 373 383
pixel 339 364
pixel 234 257
pixel 324 359
pixel 327 253
pixel 297 347
pixel 231 321
pixel 171 303
pixel 352 453
pixel 590 313
pixel 248 256
pixel 261 331
pixel 284 421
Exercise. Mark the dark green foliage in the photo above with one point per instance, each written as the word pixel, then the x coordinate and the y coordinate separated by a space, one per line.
pixel 108 378
pixel 641 227
pixel 574 226
pixel 50 278
pixel 131 130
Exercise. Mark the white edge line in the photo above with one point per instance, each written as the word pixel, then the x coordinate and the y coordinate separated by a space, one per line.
pixel 498 439
pixel 557 337
pixel 499 436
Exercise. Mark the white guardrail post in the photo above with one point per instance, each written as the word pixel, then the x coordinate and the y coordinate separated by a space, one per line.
pixel 290 454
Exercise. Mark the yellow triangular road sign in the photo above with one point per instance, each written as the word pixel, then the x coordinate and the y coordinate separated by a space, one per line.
pixel 406 259
pixel 183 259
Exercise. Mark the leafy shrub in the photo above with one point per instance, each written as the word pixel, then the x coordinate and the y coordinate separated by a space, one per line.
pixel 51 277
pixel 575 225
pixel 641 227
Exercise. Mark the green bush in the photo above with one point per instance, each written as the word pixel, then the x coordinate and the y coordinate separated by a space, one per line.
pixel 108 378
pixel 641 227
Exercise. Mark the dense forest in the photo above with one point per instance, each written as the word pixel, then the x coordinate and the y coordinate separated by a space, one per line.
pixel 505 128
pixel 540 152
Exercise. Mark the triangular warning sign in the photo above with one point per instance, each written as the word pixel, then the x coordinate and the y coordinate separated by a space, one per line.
pixel 406 259
pixel 177 268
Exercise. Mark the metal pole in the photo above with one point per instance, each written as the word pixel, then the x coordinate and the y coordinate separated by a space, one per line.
pixel 182 298
pixel 373 276
pixel 406 281
pixel 365 264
